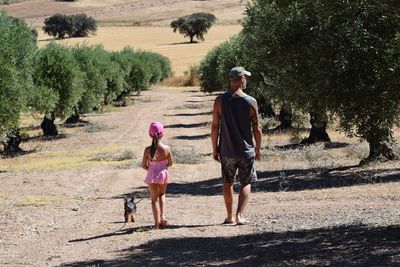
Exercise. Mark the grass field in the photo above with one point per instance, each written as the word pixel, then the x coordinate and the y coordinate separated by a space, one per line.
pixel 158 39
pixel 129 12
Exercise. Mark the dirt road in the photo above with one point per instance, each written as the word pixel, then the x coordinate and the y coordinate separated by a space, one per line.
pixel 63 203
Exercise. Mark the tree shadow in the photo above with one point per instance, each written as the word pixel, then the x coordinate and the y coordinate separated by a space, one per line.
pixel 190 125
pixel 345 245
pixel 327 145
pixel 45 138
pixel 192 137
pixel 288 180
pixel 207 94
pixel 189 114
pixel 18 153
pixel 181 43
pixel 320 178
pixel 199 101
pixel 131 230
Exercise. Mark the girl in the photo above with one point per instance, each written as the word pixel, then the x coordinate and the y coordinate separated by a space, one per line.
pixel 156 160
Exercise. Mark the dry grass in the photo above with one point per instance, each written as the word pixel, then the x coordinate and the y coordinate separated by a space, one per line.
pixel 163 40
pixel 129 12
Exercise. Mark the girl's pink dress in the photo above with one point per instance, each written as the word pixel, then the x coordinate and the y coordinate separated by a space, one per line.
pixel 157 172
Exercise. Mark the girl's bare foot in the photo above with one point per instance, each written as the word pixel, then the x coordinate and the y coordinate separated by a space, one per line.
pixel 164 222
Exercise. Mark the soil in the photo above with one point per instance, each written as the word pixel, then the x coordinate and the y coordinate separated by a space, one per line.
pixel 319 209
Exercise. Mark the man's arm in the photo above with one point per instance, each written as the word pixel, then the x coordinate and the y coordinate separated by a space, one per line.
pixel 215 128
pixel 254 116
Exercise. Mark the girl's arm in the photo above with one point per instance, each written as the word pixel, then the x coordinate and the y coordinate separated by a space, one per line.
pixel 170 161
pixel 144 160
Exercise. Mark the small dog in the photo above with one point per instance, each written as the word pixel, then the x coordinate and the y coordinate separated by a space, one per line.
pixel 130 209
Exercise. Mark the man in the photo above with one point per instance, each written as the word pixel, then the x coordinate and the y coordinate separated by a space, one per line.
pixel 235 122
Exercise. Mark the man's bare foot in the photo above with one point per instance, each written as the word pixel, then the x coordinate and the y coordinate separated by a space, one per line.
pixel 241 221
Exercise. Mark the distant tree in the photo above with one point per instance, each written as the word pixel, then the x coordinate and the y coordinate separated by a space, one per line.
pixel 58 25
pixel 17 46
pixel 57 73
pixel 78 25
pixel 82 25
pixel 194 25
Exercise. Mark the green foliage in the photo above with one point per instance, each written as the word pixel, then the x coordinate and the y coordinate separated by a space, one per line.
pixel 92 62
pixel 194 25
pixel 56 70
pixel 78 25
pixel 17 46
pixel 337 56
pixel 215 67
pixel 141 69
pixel 208 74
pixel 82 25
pixel 57 25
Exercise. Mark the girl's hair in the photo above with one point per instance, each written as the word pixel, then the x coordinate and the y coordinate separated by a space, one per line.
pixel 154 145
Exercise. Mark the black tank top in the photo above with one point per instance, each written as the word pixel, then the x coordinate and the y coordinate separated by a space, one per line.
pixel 236 139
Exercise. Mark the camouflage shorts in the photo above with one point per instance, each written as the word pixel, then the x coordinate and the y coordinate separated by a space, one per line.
pixel 245 168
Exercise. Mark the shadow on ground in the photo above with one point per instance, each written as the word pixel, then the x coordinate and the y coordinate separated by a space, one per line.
pixel 189 125
pixel 288 180
pixel 189 114
pixel 131 230
pixel 346 245
pixel 192 137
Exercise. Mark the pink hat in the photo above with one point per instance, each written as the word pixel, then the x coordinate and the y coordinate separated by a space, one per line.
pixel 156 127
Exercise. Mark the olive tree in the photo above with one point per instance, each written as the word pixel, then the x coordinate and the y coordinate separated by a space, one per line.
pixel 331 57
pixel 92 62
pixel 17 44
pixel 57 72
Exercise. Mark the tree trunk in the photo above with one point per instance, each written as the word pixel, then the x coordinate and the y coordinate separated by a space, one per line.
pixel 265 108
pixel 318 129
pixel 48 126
pixel 191 38
pixel 285 118
pixel 11 145
pixel 380 150
pixel 73 119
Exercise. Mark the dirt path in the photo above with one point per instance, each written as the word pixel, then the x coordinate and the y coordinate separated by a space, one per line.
pixel 70 215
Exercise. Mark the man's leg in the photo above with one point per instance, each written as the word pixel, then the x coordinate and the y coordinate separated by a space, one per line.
pixel 244 196
pixel 247 175
pixel 228 168
pixel 228 197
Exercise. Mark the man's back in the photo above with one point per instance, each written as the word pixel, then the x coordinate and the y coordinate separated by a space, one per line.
pixel 236 128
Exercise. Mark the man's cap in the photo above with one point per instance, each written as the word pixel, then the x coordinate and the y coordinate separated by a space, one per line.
pixel 238 72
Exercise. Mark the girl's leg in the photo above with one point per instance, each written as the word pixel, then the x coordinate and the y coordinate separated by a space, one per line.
pixel 162 189
pixel 154 195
